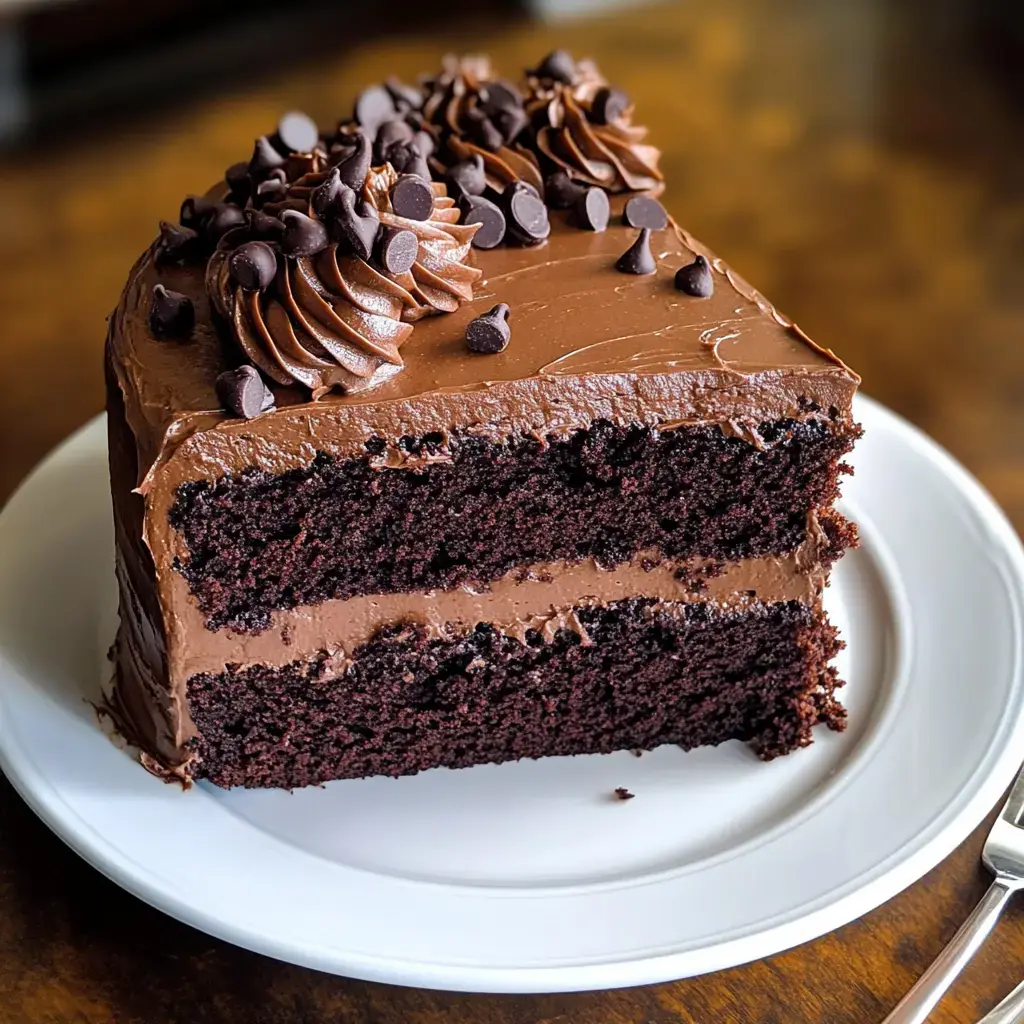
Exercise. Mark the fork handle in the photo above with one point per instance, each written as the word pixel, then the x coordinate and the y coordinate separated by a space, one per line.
pixel 1009 1011
pixel 915 1006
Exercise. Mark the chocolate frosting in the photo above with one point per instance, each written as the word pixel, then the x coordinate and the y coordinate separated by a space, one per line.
pixel 613 156
pixel 457 95
pixel 332 319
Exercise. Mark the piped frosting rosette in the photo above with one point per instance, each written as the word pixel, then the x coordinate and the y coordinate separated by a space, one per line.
pixel 482 116
pixel 584 127
pixel 322 287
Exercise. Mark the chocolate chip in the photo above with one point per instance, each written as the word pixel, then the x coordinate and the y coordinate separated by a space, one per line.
pixel 489 332
pixel 402 95
pixel 696 279
pixel 526 214
pixel 482 131
pixel 645 212
pixel 264 158
pixel 405 158
pixel 325 195
pixel 220 219
pixel 297 132
pixel 302 236
pixel 501 95
pixel 637 259
pixel 558 66
pixel 193 210
pixel 561 192
pixel 253 266
pixel 390 132
pixel 412 197
pixel 510 122
pixel 354 168
pixel 273 190
pixel 177 244
pixel 593 210
pixel 621 793
pixel 396 249
pixel 354 224
pixel 478 210
pixel 263 225
pixel 239 183
pixel 467 177
pixel 171 314
pixel 608 105
pixel 373 107
pixel 243 393
pixel 424 143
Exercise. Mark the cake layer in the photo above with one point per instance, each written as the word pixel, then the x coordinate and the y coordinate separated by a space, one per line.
pixel 644 674
pixel 476 510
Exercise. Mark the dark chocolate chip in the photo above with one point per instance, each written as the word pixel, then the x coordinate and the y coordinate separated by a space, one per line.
pixel 593 210
pixel 396 249
pixel 273 190
pixel 608 105
pixel 489 332
pixel 510 122
pixel 621 793
pixel 412 197
pixel 373 107
pixel 325 195
pixel 424 143
pixel 354 224
pixel 264 158
pixel 263 225
pixel 221 218
pixel 526 214
pixel 243 393
pixel 390 132
pixel 171 314
pixel 407 159
pixel 478 210
pixel 696 279
pixel 402 95
pixel 239 183
pixel 177 244
pixel 558 66
pixel 193 210
pixel 297 132
pixel 482 130
pixel 501 95
pixel 354 168
pixel 645 212
pixel 253 266
pixel 637 259
pixel 561 192
pixel 467 177
pixel 302 236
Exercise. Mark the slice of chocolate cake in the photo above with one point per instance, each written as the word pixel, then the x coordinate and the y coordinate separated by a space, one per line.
pixel 434 441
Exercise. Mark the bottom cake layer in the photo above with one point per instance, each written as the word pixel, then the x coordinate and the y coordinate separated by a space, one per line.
pixel 634 674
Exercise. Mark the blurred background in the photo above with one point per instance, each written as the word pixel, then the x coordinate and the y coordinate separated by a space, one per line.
pixel 859 160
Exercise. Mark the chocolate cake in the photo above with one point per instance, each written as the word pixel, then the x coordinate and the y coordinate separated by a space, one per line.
pixel 434 441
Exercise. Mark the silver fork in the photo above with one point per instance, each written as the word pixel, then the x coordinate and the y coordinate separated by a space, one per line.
pixel 1004 857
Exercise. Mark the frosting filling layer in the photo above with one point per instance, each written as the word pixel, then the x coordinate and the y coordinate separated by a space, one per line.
pixel 539 598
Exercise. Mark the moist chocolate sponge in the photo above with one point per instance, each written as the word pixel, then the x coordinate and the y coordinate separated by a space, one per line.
pixel 337 529
pixel 648 674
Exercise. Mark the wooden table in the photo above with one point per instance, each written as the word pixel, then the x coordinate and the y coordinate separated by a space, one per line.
pixel 858 163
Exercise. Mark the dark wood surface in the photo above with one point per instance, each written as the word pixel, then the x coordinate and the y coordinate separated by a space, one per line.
pixel 860 162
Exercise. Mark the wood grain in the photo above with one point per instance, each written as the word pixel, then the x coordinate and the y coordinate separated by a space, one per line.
pixel 857 161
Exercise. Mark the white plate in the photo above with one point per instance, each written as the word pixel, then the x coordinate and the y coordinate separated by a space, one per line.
pixel 531 877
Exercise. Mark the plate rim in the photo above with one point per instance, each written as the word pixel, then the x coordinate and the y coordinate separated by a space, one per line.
pixel 892 875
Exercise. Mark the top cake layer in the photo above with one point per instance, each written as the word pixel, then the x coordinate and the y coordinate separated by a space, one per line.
pixel 587 343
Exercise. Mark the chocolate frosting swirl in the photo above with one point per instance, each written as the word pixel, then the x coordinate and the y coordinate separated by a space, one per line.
pixel 462 96
pixel 613 155
pixel 334 320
